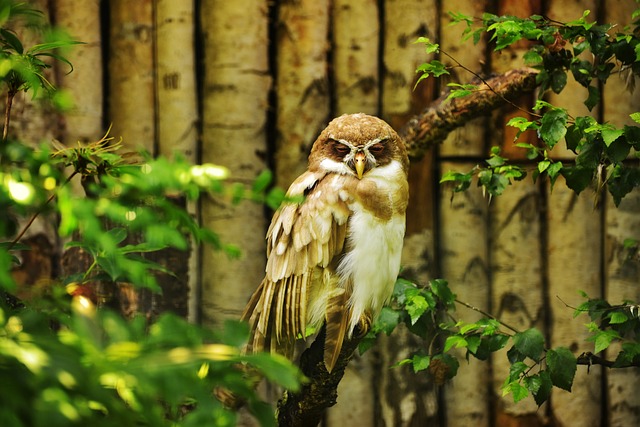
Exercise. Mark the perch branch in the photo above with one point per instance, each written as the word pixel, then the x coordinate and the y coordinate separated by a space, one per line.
pixel 305 408
pixel 434 124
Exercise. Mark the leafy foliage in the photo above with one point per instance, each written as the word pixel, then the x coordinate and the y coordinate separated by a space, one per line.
pixel 558 51
pixel 63 361
pixel 602 149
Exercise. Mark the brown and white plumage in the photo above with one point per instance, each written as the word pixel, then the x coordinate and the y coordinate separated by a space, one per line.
pixel 334 256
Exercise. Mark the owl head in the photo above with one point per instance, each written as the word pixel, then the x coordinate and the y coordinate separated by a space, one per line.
pixel 354 144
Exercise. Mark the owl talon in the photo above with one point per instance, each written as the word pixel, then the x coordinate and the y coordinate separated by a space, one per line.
pixel 363 326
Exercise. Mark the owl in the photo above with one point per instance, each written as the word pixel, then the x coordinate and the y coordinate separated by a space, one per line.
pixel 333 256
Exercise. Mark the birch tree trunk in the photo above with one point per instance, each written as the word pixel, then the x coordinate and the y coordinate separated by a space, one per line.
pixel 356 38
pixel 355 54
pixel 517 287
pixel 176 80
pixel 85 121
pixel 573 96
pixel 464 257
pixel 302 86
pixel 236 85
pixel 404 398
pixel 574 234
pixel 621 274
pixel 467 141
pixel 177 116
pixel 574 255
pixel 131 74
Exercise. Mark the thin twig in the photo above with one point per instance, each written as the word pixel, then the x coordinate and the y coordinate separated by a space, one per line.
pixel 7 114
pixel 37 213
pixel 484 313
pixel 482 79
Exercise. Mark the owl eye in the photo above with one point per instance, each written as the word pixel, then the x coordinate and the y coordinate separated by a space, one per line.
pixel 376 149
pixel 339 148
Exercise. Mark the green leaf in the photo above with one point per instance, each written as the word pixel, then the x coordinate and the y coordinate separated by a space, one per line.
pixel 577 178
pixel 543 165
pixel 562 366
pixel 518 391
pixel 441 289
pixel 529 343
pixel 420 363
pixel 276 368
pixel 593 99
pixel 544 390
pixel 456 341
pixel 610 135
pixel 387 320
pixel 603 339
pixel 262 181
pixel 416 307
pixel 553 126
pixel 635 116
pixel 618 317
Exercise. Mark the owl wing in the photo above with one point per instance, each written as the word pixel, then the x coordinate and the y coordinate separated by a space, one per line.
pixel 301 238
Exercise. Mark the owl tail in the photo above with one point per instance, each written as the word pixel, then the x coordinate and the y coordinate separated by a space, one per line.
pixel 336 318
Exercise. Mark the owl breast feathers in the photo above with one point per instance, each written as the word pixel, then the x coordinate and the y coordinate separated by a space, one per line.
pixel 335 256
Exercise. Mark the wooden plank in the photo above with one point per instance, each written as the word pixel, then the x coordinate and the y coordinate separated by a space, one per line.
pixel 573 96
pixel 464 261
pixel 622 277
pixel 467 141
pixel 574 255
pixel 356 39
pixel 235 90
pixel 131 71
pixel 84 122
pixel 517 293
pixel 302 86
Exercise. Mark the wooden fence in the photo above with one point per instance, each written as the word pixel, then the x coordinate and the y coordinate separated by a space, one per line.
pixel 250 83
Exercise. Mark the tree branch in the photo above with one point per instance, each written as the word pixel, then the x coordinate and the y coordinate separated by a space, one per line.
pixel 434 124
pixel 588 358
pixel 306 407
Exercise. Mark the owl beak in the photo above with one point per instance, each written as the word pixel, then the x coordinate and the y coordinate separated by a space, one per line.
pixel 360 163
